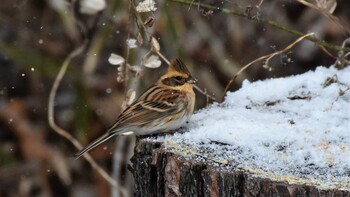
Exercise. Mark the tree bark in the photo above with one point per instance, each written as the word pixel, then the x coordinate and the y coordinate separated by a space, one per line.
pixel 158 172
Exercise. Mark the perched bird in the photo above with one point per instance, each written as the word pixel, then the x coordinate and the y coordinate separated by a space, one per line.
pixel 165 106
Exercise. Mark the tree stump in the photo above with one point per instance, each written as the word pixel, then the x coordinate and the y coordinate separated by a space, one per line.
pixel 160 172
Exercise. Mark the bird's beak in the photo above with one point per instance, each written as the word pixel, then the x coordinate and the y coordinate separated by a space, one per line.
pixel 192 80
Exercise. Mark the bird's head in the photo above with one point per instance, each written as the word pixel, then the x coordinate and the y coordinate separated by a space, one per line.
pixel 177 76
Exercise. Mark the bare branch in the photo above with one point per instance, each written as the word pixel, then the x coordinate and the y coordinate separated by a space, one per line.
pixel 266 21
pixel 266 58
pixel 64 133
pixel 163 57
pixel 342 58
pixel 333 18
pixel 204 92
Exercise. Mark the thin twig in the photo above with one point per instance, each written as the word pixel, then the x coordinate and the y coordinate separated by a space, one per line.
pixel 341 59
pixel 205 93
pixel 266 21
pixel 333 18
pixel 266 58
pixel 64 133
pixel 138 17
pixel 149 37
pixel 207 96
pixel 327 52
pixel 163 57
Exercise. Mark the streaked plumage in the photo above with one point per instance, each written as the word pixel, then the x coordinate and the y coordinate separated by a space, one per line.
pixel 165 106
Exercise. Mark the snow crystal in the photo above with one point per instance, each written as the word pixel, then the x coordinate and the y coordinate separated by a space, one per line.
pixel 109 90
pixel 296 127
pixel 132 43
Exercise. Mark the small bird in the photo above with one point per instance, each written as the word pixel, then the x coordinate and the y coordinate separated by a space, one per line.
pixel 167 105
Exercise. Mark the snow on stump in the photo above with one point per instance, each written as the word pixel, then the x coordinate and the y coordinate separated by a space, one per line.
pixel 278 137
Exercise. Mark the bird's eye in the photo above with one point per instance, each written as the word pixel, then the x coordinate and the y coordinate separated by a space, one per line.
pixel 178 78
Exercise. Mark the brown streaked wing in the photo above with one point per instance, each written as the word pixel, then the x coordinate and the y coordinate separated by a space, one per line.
pixel 151 91
pixel 144 112
pixel 157 93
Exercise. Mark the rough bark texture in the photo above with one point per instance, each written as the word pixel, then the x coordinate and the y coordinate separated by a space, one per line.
pixel 161 173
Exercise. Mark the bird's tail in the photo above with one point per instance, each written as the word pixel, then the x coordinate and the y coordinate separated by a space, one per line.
pixel 95 143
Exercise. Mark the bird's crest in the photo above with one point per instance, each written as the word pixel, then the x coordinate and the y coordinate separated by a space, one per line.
pixel 179 66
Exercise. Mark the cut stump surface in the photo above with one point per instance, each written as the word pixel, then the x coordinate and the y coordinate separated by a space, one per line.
pixel 160 172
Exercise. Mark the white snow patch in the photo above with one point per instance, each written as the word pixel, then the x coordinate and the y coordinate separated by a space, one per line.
pixel 297 127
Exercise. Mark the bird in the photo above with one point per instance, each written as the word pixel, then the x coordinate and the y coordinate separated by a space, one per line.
pixel 165 106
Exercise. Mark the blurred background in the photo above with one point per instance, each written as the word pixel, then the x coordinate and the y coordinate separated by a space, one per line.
pixel 36 36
